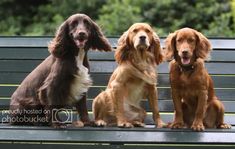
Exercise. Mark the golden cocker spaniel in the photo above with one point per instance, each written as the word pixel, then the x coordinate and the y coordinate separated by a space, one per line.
pixel 138 53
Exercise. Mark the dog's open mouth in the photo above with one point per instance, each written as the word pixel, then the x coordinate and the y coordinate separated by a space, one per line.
pixel 80 42
pixel 185 60
pixel 80 39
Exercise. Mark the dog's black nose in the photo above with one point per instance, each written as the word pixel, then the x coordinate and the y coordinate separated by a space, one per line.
pixel 185 52
pixel 142 38
pixel 82 34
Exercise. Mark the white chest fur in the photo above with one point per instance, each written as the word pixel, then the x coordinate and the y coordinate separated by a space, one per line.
pixel 82 80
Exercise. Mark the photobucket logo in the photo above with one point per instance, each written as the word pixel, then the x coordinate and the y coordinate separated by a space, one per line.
pixel 24 119
pixel 62 115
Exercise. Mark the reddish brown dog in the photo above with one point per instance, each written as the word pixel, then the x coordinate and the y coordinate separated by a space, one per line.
pixel 195 102
pixel 137 55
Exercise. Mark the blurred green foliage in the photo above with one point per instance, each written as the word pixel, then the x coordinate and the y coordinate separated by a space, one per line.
pixel 42 17
pixel 233 12
pixel 117 15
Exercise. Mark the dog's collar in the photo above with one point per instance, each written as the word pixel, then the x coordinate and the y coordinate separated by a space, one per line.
pixel 186 68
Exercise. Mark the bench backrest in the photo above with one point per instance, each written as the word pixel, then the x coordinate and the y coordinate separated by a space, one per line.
pixel 20 55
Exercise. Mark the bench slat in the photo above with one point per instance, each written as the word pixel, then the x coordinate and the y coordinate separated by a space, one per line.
pixel 164 93
pixel 52 145
pixel 166 117
pixel 42 41
pixel 106 66
pixel 115 135
pixel 34 41
pixel 213 68
pixel 39 53
pixel 101 79
pixel 165 105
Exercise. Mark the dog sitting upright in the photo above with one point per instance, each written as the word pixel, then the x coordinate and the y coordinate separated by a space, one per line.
pixel 138 53
pixel 62 79
pixel 195 102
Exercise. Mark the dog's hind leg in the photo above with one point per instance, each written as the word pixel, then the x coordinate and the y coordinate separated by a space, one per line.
pixel 215 115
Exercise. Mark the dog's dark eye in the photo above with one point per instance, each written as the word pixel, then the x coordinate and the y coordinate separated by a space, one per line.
pixel 135 30
pixel 74 23
pixel 179 40
pixel 86 22
pixel 190 40
pixel 147 30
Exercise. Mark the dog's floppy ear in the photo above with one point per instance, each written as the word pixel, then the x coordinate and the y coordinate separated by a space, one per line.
pixel 61 41
pixel 156 49
pixel 170 46
pixel 203 47
pixel 123 46
pixel 98 40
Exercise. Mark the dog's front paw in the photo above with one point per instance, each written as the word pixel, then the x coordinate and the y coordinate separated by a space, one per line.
pixel 224 126
pixel 177 125
pixel 138 124
pixel 198 126
pixel 100 123
pixel 125 125
pixel 78 124
pixel 160 124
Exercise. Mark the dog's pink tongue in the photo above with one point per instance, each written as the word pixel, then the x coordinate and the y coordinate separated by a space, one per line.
pixel 185 61
pixel 80 43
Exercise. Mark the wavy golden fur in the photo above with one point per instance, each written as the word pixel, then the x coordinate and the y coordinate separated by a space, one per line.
pixel 137 55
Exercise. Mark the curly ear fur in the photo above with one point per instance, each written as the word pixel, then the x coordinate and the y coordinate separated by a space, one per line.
pixel 61 41
pixel 203 47
pixel 170 46
pixel 156 49
pixel 99 41
pixel 123 47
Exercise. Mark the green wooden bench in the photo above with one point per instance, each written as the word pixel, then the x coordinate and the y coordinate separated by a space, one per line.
pixel 20 55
